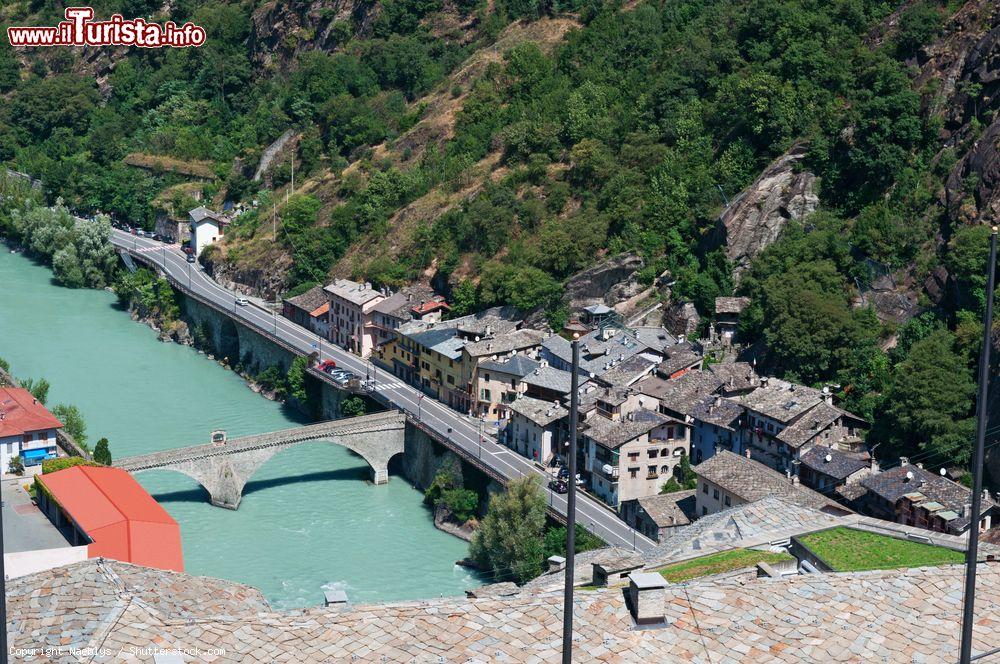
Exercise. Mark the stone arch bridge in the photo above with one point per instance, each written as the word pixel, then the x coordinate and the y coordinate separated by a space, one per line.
pixel 224 467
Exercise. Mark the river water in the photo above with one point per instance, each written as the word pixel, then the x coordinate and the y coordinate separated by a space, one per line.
pixel 308 521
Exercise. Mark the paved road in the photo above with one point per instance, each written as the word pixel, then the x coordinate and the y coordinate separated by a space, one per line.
pixel 457 429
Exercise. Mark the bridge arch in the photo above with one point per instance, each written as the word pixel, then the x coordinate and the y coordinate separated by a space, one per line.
pixel 224 469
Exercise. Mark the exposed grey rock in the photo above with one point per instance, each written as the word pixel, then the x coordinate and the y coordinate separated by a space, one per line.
pixel 682 318
pixel 936 283
pixel 610 282
pixel 757 216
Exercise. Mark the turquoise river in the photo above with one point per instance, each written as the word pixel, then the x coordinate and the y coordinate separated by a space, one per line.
pixel 307 522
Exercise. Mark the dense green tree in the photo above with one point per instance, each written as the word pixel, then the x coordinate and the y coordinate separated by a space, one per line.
pixel 102 454
pixel 352 407
pixel 509 541
pixel 583 540
pixel 73 422
pixel 39 388
pixel 928 401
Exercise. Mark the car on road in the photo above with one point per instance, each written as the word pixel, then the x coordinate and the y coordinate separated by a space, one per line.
pixel 326 366
pixel 558 486
pixel 191 258
pixel 242 302
pixel 187 250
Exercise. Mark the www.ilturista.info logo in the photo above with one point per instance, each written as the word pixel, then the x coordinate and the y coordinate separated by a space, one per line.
pixel 80 30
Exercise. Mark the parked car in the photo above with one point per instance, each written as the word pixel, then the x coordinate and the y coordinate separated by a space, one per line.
pixel 191 258
pixel 242 302
pixel 187 250
pixel 327 366
pixel 558 486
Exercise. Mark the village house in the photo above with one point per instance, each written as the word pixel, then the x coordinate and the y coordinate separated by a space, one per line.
pixel 737 378
pixel 679 398
pixel 351 315
pixel 600 350
pixel 499 383
pixel 910 495
pixel 824 468
pixel 416 302
pixel 678 360
pixel 727 317
pixel 630 455
pixel 729 479
pixel 716 424
pixel 784 419
pixel 310 310
pixel 206 228
pixel 657 516
pixel 27 429
pixel 537 429
pixel 486 388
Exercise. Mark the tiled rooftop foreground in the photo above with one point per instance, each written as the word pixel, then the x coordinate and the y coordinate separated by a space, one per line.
pixel 894 616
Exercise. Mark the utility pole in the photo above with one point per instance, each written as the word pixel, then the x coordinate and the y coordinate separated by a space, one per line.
pixel 969 604
pixel 567 645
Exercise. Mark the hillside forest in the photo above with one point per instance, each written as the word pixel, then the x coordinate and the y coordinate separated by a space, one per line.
pixel 496 149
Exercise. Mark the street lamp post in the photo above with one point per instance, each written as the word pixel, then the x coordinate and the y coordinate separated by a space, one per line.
pixel 567 645
pixel 420 401
pixel 969 603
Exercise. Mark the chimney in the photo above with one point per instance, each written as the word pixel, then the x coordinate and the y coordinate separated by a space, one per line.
pixel 967 510
pixel 746 452
pixel 874 464
pixel 645 594
pixel 986 495
pixel 903 461
pixel 718 400
pixel 920 465
pixel 764 381
pixel 556 564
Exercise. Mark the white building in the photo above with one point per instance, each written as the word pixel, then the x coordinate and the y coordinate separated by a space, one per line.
pixel 27 428
pixel 206 228
pixel 537 428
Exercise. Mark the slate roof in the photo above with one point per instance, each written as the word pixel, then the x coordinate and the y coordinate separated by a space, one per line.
pixel 725 413
pixel 810 424
pixel 309 301
pixel 892 485
pixel 433 337
pixel 841 464
pixel 736 376
pixel 504 343
pixel 515 365
pixel 782 401
pixel 680 394
pixel 615 433
pixel 625 373
pixel 201 213
pixel 670 509
pixel 678 358
pixel 595 353
pixel 402 304
pixel 731 305
pixel 542 413
pixel 551 378
pixel 352 291
pixel 896 616
pixel 751 480
pixel 654 338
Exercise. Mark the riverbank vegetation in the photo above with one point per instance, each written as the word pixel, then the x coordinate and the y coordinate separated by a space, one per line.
pixel 150 293
pixel 513 539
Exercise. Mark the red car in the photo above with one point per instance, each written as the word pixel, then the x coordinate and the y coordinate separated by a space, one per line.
pixel 327 366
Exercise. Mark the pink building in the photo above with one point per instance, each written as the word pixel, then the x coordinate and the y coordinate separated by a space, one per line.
pixel 351 315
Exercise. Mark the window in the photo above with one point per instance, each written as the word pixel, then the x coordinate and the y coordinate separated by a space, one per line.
pixel 652 454
pixel 715 494
pixel 632 472
pixel 664 470
pixel 726 501
pixel 704 489
pixel 670 432
pixel 664 452
pixel 704 511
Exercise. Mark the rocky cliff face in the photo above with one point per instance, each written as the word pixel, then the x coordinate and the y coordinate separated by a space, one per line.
pixel 610 282
pixel 757 216
pixel 284 30
pixel 960 77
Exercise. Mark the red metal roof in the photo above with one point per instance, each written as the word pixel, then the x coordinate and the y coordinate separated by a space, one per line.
pixel 430 305
pixel 122 519
pixel 20 413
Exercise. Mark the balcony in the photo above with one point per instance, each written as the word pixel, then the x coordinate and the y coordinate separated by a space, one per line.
pixel 605 470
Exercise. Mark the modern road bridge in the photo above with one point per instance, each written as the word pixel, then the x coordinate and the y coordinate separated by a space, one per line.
pixel 465 436
pixel 223 467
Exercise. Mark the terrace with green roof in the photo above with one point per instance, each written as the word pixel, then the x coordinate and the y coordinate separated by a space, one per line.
pixel 719 563
pixel 849 550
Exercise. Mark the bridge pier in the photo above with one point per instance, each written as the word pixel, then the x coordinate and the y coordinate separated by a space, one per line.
pixel 223 468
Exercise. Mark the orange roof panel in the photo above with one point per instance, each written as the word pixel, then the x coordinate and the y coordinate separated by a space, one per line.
pixel 112 508
pixel 20 412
